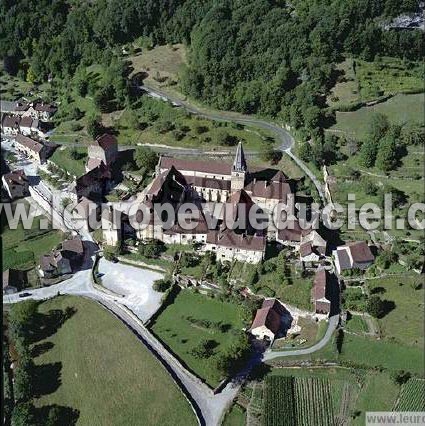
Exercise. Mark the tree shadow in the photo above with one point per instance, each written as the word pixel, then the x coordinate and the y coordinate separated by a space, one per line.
pixel 41 348
pixel 45 325
pixel 387 307
pixel 46 378
pixel 58 415
pixel 378 290
pixel 260 371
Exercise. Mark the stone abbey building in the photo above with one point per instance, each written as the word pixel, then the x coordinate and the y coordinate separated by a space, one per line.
pixel 234 188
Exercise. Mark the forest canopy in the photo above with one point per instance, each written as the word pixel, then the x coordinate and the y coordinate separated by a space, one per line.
pixel 255 56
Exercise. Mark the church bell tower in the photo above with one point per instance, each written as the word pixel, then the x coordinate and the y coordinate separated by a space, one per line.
pixel 239 170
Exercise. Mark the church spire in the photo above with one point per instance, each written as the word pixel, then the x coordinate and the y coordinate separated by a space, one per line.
pixel 239 165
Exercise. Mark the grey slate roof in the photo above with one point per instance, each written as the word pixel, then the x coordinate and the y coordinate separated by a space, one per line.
pixel 239 165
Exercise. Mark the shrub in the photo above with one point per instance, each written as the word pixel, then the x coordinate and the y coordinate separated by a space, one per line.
pixel 162 285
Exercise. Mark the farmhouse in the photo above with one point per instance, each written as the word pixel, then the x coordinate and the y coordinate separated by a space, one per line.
pixel 73 250
pixel 44 111
pixel 312 248
pixel 54 264
pixel 322 304
pixel 268 320
pixel 353 255
pixel 16 184
pixel 93 184
pixel 25 125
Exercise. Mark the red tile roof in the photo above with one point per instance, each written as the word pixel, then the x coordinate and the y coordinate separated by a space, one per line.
pixel 229 238
pixel 106 141
pixel 211 183
pixel 11 121
pixel 360 252
pixel 45 107
pixel 17 177
pixel 210 167
pixel 26 122
pixel 75 245
pixel 270 190
pixel 293 232
pixel 29 143
pixel 269 315
pixel 319 284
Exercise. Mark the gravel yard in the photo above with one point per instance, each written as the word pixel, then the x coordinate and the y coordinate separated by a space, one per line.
pixel 134 285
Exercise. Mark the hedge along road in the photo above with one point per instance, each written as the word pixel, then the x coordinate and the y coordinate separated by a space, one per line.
pixel 284 137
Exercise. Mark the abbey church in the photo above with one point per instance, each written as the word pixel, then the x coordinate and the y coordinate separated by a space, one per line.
pixel 235 188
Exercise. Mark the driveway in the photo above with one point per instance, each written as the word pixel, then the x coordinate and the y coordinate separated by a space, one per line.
pixel 332 324
pixel 133 287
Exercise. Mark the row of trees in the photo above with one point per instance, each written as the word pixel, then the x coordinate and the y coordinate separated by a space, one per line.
pixel 21 319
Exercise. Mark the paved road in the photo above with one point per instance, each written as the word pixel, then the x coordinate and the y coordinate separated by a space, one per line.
pixel 332 324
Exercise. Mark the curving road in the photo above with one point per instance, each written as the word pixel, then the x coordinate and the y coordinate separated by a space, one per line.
pixel 208 407
pixel 332 325
pixel 283 136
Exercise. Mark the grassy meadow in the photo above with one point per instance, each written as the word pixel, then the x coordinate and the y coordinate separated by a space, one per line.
pixel 62 157
pixel 97 366
pixel 405 323
pixel 399 109
pixel 22 247
pixel 180 327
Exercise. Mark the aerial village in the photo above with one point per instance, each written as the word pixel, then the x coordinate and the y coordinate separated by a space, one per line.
pixel 176 180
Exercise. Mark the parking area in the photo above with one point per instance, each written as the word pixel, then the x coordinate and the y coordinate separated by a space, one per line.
pixel 133 287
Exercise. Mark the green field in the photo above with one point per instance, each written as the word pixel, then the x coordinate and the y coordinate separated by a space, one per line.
pixel 366 81
pixel 22 248
pixel 349 391
pixel 13 88
pixel 180 328
pixel 405 323
pixel 160 63
pixel 356 324
pixel 366 352
pixel 407 178
pixel 295 291
pixel 399 109
pixel 98 367
pixel 153 121
pixel 62 158
pixel 303 401
pixel 236 416
pixel 378 394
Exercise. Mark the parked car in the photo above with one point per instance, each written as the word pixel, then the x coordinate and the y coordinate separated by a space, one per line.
pixel 26 294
